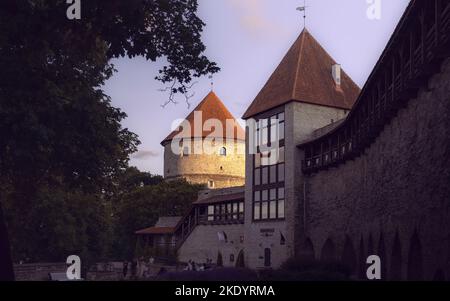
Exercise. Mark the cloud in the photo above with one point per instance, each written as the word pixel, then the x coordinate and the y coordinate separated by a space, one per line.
pixel 142 155
pixel 252 17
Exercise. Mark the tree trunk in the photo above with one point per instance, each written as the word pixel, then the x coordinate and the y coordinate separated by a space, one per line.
pixel 6 267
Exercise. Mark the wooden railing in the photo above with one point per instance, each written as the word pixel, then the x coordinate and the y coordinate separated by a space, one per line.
pixel 187 225
pixel 194 219
pixel 416 50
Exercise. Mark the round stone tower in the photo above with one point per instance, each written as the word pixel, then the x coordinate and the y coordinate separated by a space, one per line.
pixel 207 148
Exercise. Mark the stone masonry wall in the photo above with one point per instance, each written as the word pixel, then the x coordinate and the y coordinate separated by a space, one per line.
pixel 203 243
pixel 201 167
pixel 301 120
pixel 394 200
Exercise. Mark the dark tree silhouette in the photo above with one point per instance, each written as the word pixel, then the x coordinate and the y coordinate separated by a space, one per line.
pixel 57 127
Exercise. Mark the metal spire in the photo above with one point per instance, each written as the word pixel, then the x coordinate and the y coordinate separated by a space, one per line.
pixel 303 9
pixel 212 82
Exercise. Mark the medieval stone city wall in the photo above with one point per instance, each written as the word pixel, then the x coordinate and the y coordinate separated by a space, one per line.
pixel 394 199
pixel 303 120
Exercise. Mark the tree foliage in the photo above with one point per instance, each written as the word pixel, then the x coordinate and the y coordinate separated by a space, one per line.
pixel 141 208
pixel 62 143
pixel 58 223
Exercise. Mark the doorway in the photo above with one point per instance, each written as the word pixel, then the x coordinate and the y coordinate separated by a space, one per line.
pixel 267 257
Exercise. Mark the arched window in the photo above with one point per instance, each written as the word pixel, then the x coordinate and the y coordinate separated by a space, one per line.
pixel 240 260
pixel 223 151
pixel 219 260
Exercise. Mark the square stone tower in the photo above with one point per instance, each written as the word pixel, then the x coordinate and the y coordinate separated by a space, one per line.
pixel 307 91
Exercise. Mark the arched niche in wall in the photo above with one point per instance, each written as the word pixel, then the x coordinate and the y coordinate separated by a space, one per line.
pixel 219 259
pixel 307 251
pixel 396 259
pixel 370 247
pixel 328 251
pixel 349 256
pixel 362 260
pixel 415 259
pixel 382 254
pixel 240 262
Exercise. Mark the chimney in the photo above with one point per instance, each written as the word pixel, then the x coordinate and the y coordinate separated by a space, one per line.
pixel 336 73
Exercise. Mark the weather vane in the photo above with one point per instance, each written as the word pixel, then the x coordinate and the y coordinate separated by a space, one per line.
pixel 212 81
pixel 303 9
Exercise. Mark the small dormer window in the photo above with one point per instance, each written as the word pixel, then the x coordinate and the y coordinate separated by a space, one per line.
pixel 223 151
pixel 211 184
pixel 336 74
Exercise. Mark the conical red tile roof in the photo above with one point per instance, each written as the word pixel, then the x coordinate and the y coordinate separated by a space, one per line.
pixel 305 75
pixel 211 107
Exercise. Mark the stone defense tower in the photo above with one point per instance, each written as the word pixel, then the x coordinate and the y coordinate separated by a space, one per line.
pixel 307 91
pixel 206 154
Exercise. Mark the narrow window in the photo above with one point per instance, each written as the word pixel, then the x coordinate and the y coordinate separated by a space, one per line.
pixel 265 176
pixel 257 176
pixel 265 210
pixel 235 211
pixel 257 211
pixel 281 155
pixel 280 208
pixel 273 209
pixel 241 211
pixel 273 174
pixel 281 173
pixel 282 239
pixel 210 213
pixel 223 151
pixel 267 257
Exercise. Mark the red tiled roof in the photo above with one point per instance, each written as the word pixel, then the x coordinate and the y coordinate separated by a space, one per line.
pixel 305 75
pixel 221 198
pixel 156 230
pixel 212 108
